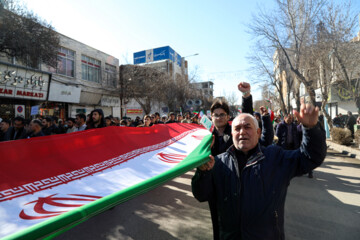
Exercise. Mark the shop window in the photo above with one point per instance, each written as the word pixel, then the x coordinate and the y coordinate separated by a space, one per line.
pixel 65 63
pixel 110 75
pixel 90 69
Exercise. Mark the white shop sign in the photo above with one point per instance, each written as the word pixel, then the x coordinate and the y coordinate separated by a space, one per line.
pixel 110 101
pixel 62 93
pixel 17 82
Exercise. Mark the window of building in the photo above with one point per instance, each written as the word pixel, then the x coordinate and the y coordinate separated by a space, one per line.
pixel 110 75
pixel 65 64
pixel 90 69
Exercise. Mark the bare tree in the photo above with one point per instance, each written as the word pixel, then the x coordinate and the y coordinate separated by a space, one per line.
pixel 143 84
pixel 295 30
pixel 26 37
pixel 340 22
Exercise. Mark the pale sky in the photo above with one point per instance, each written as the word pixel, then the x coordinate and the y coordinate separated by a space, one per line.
pixel 214 29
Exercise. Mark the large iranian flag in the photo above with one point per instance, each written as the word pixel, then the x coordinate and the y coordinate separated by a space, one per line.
pixel 50 184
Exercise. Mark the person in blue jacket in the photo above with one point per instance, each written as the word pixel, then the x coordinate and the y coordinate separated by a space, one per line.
pixel 249 182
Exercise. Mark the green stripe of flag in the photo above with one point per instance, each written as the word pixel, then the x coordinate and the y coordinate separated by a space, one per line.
pixel 59 224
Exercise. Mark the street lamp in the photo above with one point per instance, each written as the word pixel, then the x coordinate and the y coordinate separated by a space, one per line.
pixel 191 55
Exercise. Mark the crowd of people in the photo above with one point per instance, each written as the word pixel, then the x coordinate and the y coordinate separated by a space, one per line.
pixel 246 178
pixel 348 122
pixel 21 128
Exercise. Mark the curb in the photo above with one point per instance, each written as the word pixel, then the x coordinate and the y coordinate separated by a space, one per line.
pixel 351 152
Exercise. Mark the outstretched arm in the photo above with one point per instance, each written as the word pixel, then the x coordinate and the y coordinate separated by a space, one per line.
pixel 312 151
pixel 247 104
pixel 267 133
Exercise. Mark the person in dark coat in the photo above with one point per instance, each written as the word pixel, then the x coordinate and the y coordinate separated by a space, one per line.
pixel 287 134
pixel 35 129
pixel 49 127
pixel 351 121
pixel 17 131
pixel 4 128
pixel 220 113
pixel 171 118
pixel 248 183
pixel 97 119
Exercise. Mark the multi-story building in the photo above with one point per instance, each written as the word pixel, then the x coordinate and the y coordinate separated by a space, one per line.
pixel 206 89
pixel 164 60
pixel 84 79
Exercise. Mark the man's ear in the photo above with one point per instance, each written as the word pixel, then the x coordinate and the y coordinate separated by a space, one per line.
pixel 258 131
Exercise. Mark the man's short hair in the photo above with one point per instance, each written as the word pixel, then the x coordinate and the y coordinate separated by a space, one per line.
pixel 157 114
pixel 20 119
pixel 37 122
pixel 218 103
pixel 256 123
pixel 82 116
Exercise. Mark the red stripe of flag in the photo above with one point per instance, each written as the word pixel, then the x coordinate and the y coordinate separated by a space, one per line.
pixel 30 160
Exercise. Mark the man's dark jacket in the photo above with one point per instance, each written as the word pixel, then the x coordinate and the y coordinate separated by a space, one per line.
pixel 226 141
pixel 250 203
pixel 9 135
pixel 282 132
pixel 350 123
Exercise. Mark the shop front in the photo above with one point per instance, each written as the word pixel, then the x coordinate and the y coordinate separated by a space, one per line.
pixel 61 96
pixel 110 105
pixel 21 89
pixel 88 102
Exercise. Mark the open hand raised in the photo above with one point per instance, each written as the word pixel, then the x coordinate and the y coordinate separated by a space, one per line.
pixel 308 115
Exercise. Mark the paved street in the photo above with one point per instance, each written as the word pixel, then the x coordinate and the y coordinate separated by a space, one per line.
pixel 324 208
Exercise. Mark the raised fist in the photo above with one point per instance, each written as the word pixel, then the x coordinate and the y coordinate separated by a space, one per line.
pixel 244 87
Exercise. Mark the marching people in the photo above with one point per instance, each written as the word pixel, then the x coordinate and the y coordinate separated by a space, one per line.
pixel 158 121
pixel 163 118
pixel 288 134
pixel 97 119
pixel 4 127
pixel 109 121
pixel 70 125
pixel 17 131
pixel 220 115
pixel 48 126
pixel 35 129
pixel 80 121
pixel 187 118
pixel 179 118
pixel 248 182
pixel 147 121
pixel 153 119
pixel 171 118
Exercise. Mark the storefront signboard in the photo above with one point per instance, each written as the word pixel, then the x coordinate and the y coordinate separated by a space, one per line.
pixel 110 101
pixel 134 111
pixel 63 93
pixel 19 82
